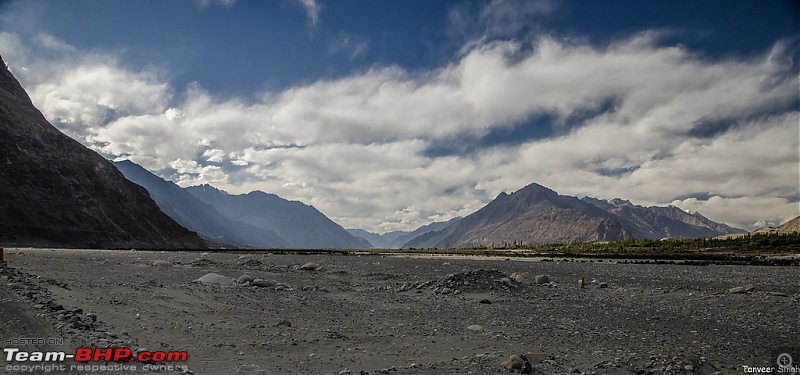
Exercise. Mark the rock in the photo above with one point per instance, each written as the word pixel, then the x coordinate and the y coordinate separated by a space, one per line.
pixel 261 283
pixel 215 279
pixel 161 263
pixel 284 323
pixel 517 277
pixel 446 291
pixel 475 328
pixel 603 285
pixel 749 288
pixel 244 278
pixel 778 294
pixel 736 290
pixel 310 266
pixel 542 279
pixel 517 363
pixel 688 368
pixel 485 301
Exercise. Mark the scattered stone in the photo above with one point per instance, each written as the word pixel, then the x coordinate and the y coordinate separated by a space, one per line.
pixel 215 279
pixel 261 283
pixel 203 263
pixel 310 266
pixel 252 263
pixel 736 290
pixel 689 368
pixel 517 277
pixel 244 279
pixel 749 288
pixel 161 263
pixel 475 328
pixel 485 301
pixel 284 323
pixel 476 281
pixel 603 285
pixel 542 279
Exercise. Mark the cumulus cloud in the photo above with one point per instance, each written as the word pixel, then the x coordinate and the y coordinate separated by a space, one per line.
pixel 631 119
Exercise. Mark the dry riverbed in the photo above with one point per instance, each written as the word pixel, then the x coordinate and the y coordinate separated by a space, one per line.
pixel 403 315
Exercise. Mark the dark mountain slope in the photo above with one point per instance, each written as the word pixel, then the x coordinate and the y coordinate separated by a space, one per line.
pixel 56 192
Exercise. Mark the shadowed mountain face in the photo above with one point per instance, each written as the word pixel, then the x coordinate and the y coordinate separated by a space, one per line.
pixel 56 192
pixel 538 215
pixel 301 226
pixel 193 213
pixel 532 215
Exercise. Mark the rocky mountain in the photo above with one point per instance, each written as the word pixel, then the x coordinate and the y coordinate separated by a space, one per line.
pixel 56 192
pixel 532 215
pixel 661 222
pixel 196 215
pixel 538 215
pixel 300 225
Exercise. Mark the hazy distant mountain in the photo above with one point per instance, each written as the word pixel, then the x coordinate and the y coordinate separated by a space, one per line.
pixel 56 192
pixel 400 241
pixel 791 226
pixel 537 215
pixel 532 215
pixel 396 239
pixel 300 225
pixel 661 222
pixel 196 215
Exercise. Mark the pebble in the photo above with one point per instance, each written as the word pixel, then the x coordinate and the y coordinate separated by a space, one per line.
pixel 475 327
pixel 542 279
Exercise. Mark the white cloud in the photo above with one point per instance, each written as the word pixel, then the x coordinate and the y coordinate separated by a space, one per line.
pixel 350 45
pixel 312 9
pixel 223 3
pixel 357 147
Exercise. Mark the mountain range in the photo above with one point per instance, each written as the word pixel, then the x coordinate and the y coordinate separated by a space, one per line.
pixel 54 192
pixel 396 239
pixel 255 220
pixel 537 215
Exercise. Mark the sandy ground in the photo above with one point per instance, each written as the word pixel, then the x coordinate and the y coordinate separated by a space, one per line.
pixel 399 315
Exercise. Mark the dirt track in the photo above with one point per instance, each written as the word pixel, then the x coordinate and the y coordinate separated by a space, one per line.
pixel 407 316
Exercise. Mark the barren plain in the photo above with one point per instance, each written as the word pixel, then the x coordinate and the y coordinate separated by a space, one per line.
pixel 347 313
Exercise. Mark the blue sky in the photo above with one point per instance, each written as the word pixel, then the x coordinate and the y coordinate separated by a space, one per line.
pixel 387 115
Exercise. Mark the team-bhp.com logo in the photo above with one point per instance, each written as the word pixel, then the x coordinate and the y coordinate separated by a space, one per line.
pixel 23 359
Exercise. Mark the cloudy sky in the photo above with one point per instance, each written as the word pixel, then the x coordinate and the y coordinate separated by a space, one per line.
pixel 387 115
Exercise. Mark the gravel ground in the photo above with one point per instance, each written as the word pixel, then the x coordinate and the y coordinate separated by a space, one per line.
pixel 400 315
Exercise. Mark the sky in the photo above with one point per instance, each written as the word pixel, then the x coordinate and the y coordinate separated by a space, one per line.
pixel 387 115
